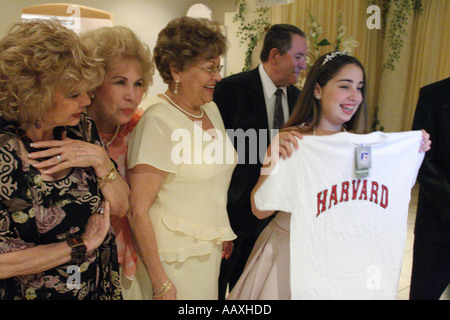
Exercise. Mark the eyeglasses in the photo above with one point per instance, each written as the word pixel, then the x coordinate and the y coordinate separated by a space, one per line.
pixel 212 69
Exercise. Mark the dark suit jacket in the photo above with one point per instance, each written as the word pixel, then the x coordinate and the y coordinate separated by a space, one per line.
pixel 241 102
pixel 433 209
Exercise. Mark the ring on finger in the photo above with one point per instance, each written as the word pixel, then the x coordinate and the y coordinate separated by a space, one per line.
pixel 58 158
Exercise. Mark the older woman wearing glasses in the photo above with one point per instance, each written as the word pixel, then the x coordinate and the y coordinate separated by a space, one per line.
pixel 180 162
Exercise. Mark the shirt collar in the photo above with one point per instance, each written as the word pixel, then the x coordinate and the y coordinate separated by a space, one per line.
pixel 268 85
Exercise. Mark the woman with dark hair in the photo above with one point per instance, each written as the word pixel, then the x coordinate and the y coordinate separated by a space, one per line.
pixel 332 101
pixel 307 115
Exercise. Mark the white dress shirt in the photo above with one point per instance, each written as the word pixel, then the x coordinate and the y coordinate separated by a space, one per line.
pixel 269 89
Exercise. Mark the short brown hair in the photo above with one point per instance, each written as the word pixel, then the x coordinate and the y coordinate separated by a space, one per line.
pixel 183 41
pixel 37 58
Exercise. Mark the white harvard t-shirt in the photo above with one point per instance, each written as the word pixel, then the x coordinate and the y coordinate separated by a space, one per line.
pixel 347 233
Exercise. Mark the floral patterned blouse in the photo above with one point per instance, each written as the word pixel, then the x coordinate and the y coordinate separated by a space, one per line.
pixel 35 212
pixel 117 150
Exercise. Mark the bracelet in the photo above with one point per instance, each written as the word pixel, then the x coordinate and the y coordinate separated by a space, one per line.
pixel 78 247
pixel 110 176
pixel 163 290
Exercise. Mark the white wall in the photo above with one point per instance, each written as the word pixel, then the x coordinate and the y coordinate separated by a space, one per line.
pixel 145 17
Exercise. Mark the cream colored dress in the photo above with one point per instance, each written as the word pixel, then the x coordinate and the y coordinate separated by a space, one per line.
pixel 189 213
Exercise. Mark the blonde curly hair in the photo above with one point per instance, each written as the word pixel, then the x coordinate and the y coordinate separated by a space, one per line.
pixel 38 58
pixel 112 43
pixel 186 40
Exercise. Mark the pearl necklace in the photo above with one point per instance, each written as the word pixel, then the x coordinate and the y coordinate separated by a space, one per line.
pixel 114 136
pixel 184 111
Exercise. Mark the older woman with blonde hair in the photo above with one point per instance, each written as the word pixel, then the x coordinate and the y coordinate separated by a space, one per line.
pixel 58 183
pixel 178 204
pixel 114 108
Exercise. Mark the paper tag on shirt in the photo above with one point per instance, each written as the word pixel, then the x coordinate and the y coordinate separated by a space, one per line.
pixel 362 161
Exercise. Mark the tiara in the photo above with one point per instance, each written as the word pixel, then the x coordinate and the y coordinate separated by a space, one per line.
pixel 332 55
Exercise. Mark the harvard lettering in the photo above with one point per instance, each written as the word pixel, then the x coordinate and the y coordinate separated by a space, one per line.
pixel 355 245
pixel 355 190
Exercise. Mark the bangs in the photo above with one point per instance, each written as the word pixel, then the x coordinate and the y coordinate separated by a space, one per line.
pixel 86 75
pixel 214 50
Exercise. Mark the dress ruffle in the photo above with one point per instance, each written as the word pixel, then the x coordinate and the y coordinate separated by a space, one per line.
pixel 204 238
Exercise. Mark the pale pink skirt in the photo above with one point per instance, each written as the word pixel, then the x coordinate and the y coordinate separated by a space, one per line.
pixel 266 274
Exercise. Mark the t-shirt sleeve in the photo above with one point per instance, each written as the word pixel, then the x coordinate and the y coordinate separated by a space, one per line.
pixel 279 190
pixel 150 142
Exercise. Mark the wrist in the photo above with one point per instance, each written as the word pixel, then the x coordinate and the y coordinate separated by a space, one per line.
pixel 159 292
pixel 109 176
pixel 79 248
pixel 87 243
pixel 102 165
pixel 158 280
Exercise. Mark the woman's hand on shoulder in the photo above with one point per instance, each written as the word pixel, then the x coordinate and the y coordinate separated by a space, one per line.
pixel 69 153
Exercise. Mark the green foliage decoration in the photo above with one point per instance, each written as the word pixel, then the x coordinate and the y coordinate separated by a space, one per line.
pixel 317 45
pixel 395 32
pixel 251 32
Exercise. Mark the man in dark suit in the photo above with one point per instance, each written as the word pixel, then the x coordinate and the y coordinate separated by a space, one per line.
pixel 248 104
pixel 431 258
